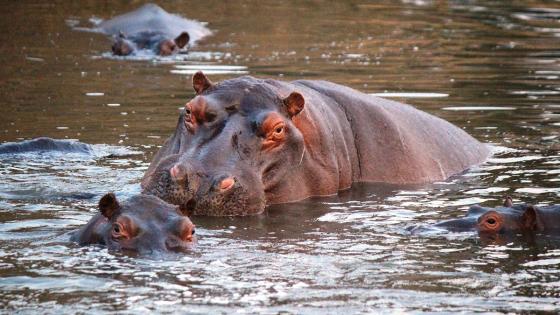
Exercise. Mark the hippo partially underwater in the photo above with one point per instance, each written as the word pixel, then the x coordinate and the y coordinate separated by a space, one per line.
pixel 142 223
pixel 508 218
pixel 150 28
pixel 246 143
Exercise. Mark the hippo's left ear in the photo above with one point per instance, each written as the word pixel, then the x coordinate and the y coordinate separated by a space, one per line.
pixel 182 40
pixel 294 104
pixel 108 205
pixel 200 82
pixel 531 219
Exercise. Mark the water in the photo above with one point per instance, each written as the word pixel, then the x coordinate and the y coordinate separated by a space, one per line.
pixel 490 67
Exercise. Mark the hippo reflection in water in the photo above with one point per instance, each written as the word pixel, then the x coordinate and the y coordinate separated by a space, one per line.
pixel 142 224
pixel 508 218
pixel 245 143
pixel 153 29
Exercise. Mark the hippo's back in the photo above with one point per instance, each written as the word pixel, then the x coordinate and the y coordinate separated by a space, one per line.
pixel 152 18
pixel 45 144
pixel 397 143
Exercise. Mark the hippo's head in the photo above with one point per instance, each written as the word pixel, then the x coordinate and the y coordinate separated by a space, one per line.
pixel 168 47
pixel 124 45
pixel 239 144
pixel 143 224
pixel 508 218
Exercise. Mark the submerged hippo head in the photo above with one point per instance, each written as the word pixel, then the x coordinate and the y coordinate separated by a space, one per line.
pixel 124 45
pixel 506 219
pixel 238 145
pixel 141 224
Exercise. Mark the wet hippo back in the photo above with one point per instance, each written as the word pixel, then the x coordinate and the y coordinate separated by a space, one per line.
pixel 45 144
pixel 395 142
pixel 152 18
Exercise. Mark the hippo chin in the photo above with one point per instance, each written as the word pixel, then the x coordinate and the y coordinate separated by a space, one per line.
pixel 150 28
pixel 509 218
pixel 245 143
pixel 143 224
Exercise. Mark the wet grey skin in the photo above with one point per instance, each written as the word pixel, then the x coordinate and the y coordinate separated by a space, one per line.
pixel 141 224
pixel 508 218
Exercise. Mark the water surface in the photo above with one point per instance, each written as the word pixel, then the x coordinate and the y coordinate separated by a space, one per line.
pixel 490 67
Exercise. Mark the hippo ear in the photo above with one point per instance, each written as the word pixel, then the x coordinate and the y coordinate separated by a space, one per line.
pixel 108 205
pixel 294 103
pixel 182 40
pixel 508 202
pixel 531 220
pixel 200 82
pixel 121 35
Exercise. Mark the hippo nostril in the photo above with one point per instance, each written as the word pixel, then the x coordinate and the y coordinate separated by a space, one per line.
pixel 227 184
pixel 178 173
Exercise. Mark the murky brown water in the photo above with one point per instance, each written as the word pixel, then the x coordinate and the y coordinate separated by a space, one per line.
pixel 349 254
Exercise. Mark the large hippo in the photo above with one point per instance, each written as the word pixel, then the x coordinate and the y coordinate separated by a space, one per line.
pixel 151 28
pixel 508 218
pixel 245 143
pixel 143 224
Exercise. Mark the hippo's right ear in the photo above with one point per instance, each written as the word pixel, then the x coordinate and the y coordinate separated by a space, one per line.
pixel 200 82
pixel 182 40
pixel 294 103
pixel 108 205
pixel 508 202
pixel 531 219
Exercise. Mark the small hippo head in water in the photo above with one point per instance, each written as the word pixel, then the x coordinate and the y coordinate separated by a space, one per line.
pixel 160 44
pixel 509 218
pixel 238 143
pixel 143 224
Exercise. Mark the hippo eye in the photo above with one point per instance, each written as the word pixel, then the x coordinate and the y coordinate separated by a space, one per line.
pixel 279 129
pixel 116 228
pixel 187 111
pixel 210 117
pixel 491 221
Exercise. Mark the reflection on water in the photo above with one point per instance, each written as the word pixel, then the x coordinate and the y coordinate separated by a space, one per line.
pixel 490 67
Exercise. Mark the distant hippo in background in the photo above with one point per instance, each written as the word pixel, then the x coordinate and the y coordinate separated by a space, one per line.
pixel 142 224
pixel 45 144
pixel 155 41
pixel 151 28
pixel 509 218
pixel 245 143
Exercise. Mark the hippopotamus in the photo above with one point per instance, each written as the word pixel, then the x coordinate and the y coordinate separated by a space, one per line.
pixel 151 28
pixel 142 223
pixel 245 143
pixel 45 144
pixel 508 218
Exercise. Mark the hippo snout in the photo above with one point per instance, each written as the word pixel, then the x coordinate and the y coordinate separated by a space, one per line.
pixel 178 173
pixel 184 236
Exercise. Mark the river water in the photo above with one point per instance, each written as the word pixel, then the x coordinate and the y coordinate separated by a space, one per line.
pixel 490 67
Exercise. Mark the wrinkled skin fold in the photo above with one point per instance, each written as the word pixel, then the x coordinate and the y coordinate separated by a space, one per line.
pixel 245 143
pixel 142 224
